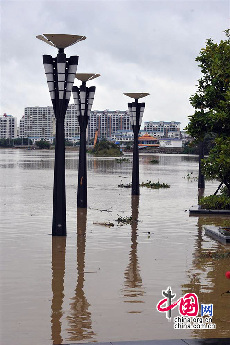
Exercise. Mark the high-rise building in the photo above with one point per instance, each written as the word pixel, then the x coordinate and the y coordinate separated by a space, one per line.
pixel 107 122
pixel 22 127
pixel 72 128
pixel 38 123
pixel 8 126
pixel 163 129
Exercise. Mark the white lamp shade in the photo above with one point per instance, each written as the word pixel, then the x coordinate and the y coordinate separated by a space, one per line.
pixel 50 85
pixel 61 94
pixel 50 77
pixel 69 87
pixel 82 96
pixel 71 78
pixel 61 77
pixel 67 94
pixel 61 67
pixel 48 68
pixel 76 99
pixel 72 69
pixel 61 86
pixel 52 94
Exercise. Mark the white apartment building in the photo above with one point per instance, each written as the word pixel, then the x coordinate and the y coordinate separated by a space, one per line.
pixel 162 129
pixel 123 135
pixel 72 128
pixel 170 142
pixel 8 127
pixel 40 123
pixel 22 127
pixel 107 122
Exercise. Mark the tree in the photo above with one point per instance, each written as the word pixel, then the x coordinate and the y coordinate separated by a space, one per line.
pixel 212 108
pixel 217 165
pixel 5 142
pixel 106 148
pixel 43 144
pixel 212 99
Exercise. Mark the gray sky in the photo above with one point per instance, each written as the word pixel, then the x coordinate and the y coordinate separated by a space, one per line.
pixel 136 46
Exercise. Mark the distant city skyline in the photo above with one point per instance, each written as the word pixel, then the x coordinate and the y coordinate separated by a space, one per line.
pixel 141 46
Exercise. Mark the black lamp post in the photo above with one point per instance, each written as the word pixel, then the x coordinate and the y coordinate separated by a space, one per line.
pixel 60 73
pixel 136 111
pixel 201 180
pixel 83 98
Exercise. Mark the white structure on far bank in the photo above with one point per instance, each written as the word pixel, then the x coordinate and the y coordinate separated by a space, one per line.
pixel 40 123
pixel 108 122
pixel 37 123
pixel 170 142
pixel 162 129
pixel 8 127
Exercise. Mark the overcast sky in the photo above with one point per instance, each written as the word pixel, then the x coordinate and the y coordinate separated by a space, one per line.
pixel 136 46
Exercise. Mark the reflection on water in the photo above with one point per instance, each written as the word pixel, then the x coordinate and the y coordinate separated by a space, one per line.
pixel 207 276
pixel 133 290
pixel 80 324
pixel 58 274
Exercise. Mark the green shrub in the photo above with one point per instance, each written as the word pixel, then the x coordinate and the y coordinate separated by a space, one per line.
pixel 154 161
pixel 215 202
pixel 105 148
pixel 43 144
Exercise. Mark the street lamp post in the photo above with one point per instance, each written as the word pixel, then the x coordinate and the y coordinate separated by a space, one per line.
pixel 201 180
pixel 136 111
pixel 60 73
pixel 83 98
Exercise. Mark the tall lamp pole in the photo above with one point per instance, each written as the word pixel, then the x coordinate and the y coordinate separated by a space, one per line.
pixel 201 180
pixel 136 111
pixel 83 98
pixel 60 73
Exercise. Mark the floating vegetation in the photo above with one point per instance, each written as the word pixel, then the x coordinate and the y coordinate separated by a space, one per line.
pixel 216 255
pixel 108 224
pixel 129 185
pixel 125 220
pixel 154 161
pixel 121 160
pixel 154 185
pixel 190 177
pixel 148 184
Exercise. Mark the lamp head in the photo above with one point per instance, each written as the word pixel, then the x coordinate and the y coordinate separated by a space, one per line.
pixel 60 41
pixel 84 77
pixel 136 95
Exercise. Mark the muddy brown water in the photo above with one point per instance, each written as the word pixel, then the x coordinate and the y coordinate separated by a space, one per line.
pixel 103 283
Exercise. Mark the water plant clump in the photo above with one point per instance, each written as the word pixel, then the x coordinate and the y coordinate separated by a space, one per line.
pixel 216 255
pixel 148 184
pixel 154 185
pixel 125 220
pixel 154 161
pixel 121 160
pixel 129 185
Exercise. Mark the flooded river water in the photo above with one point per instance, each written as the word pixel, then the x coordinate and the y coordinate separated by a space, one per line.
pixel 103 283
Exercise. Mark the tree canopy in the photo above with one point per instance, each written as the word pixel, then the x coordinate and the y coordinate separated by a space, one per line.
pixel 212 99
pixel 212 108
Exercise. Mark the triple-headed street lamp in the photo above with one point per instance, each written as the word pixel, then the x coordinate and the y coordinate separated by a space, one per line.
pixel 136 111
pixel 60 73
pixel 83 98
